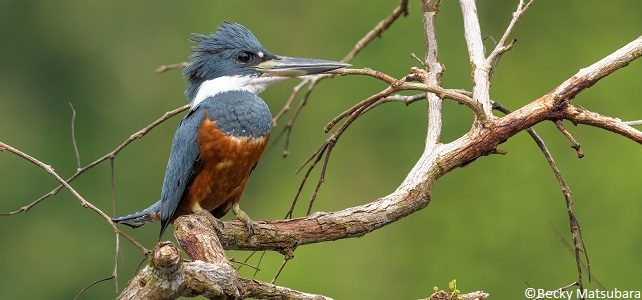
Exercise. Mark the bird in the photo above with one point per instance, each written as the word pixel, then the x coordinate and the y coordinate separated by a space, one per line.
pixel 220 140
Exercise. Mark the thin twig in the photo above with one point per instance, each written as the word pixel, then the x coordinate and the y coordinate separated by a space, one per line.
pixel 318 154
pixel 324 151
pixel 258 264
pixel 574 144
pixel 287 130
pixel 366 102
pixel 137 135
pixel 113 186
pixel 243 263
pixel 246 260
pixel 276 276
pixel 633 123
pixel 91 285
pixel 453 94
pixel 406 100
pixel 165 68
pixel 73 135
pixel 288 103
pixel 501 46
pixel 86 204
pixel 400 10
pixel 321 180
pixel 574 225
pixel 116 256
pixel 571 249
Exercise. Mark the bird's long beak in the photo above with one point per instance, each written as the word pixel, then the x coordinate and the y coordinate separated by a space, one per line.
pixel 296 66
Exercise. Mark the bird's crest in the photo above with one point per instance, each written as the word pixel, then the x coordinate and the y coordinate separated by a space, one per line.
pixel 229 35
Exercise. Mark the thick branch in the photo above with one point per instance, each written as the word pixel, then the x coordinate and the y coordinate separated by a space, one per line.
pixel 209 272
pixel 285 235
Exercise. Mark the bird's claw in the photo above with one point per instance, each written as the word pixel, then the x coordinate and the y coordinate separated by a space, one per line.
pixel 243 217
pixel 250 227
pixel 216 223
pixel 218 226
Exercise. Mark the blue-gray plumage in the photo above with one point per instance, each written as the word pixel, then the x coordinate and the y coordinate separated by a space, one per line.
pixel 237 113
pixel 215 55
pixel 220 140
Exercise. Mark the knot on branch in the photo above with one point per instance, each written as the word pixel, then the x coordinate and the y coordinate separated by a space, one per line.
pixel 166 258
pixel 209 274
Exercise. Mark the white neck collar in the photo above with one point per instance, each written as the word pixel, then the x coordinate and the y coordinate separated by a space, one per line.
pixel 213 87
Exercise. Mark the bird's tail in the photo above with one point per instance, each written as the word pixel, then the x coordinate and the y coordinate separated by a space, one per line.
pixel 140 218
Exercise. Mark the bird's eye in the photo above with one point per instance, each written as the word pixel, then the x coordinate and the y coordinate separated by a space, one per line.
pixel 244 57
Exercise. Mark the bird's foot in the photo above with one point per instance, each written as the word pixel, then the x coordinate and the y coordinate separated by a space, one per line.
pixel 243 217
pixel 216 223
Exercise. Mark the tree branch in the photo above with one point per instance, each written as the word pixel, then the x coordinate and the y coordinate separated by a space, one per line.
pixel 401 85
pixel 480 68
pixel 435 70
pixel 401 9
pixel 588 76
pixel 209 273
pixel 86 204
pixel 501 46
pixel 414 192
pixel 579 115
pixel 109 156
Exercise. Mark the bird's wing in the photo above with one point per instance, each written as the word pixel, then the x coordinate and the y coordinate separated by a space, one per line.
pixel 182 167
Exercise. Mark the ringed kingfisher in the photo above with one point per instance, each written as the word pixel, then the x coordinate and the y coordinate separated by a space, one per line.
pixel 220 140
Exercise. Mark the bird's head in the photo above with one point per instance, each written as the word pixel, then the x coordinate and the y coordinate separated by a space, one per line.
pixel 233 59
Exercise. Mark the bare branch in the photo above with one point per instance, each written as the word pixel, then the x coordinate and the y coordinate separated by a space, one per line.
pixel 574 144
pixel 86 204
pixel 480 68
pixel 501 46
pixel 407 100
pixel 574 225
pixel 91 285
pixel 435 71
pixel 262 290
pixel 400 10
pixel 287 129
pixel 165 68
pixel 208 274
pixel 402 85
pixel 73 135
pixel 588 76
pixel 582 116
pixel 633 123
pixel 288 103
pixel 414 192
pixel 111 155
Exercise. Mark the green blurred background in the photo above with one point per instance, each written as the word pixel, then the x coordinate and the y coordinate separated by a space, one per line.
pixel 490 224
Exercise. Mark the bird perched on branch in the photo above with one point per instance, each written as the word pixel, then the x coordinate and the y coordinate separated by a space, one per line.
pixel 219 142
